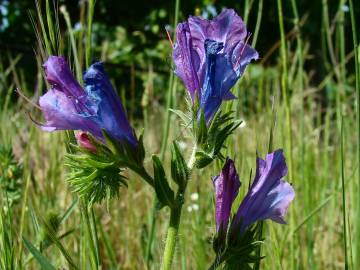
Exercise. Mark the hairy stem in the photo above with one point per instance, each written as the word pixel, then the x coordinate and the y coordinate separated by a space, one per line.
pixel 171 237
pixel 175 216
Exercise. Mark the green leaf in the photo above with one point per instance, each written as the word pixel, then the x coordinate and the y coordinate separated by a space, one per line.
pixel 183 116
pixel 45 264
pixel 223 134
pixel 162 188
pixel 77 159
pixel 202 159
pixel 140 150
pixel 179 169
pixel 201 132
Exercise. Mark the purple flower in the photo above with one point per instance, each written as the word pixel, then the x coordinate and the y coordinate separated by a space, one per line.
pixel 226 186
pixel 210 56
pixel 268 198
pixel 96 107
pixel 269 195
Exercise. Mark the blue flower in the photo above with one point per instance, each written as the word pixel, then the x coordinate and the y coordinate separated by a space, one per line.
pixel 96 107
pixel 210 56
pixel 268 197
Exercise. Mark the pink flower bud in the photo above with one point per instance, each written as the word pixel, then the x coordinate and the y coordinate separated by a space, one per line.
pixel 84 141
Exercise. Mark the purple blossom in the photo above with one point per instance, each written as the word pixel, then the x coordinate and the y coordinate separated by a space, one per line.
pixel 226 186
pixel 268 198
pixel 269 195
pixel 96 107
pixel 210 56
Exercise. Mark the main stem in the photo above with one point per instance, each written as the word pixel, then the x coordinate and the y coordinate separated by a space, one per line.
pixel 171 237
pixel 175 214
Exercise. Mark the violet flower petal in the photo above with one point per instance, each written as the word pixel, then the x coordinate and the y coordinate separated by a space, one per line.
pixel 269 196
pixel 110 113
pixel 210 56
pixel 67 106
pixel 226 186
pixel 61 114
pixel 186 59
pixel 227 28
pixel 191 58
pixel 219 79
pixel 59 75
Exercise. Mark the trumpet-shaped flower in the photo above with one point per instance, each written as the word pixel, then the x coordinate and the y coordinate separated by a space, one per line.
pixel 268 198
pixel 210 56
pixel 96 107
pixel 269 195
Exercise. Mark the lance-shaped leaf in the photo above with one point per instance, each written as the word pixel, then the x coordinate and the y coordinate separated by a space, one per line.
pixel 162 188
pixel 203 159
pixel 201 132
pixel 183 116
pixel 179 169
pixel 140 153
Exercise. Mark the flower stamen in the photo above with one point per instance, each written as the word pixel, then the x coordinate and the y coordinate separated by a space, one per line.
pixel 22 95
pixel 169 37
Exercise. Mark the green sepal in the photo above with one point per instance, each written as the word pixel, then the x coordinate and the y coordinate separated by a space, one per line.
pixel 240 249
pixel 94 176
pixel 219 241
pixel 221 127
pixel 90 161
pixel 201 131
pixel 203 159
pixel 125 152
pixel 179 169
pixel 111 143
pixel 162 189
pixel 140 149
pixel 183 116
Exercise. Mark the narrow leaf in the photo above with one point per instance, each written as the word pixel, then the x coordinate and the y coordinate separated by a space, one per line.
pixel 179 169
pixel 45 264
pixel 201 132
pixel 162 188
pixel 202 159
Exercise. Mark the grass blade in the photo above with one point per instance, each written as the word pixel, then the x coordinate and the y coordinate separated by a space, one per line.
pixel 45 264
